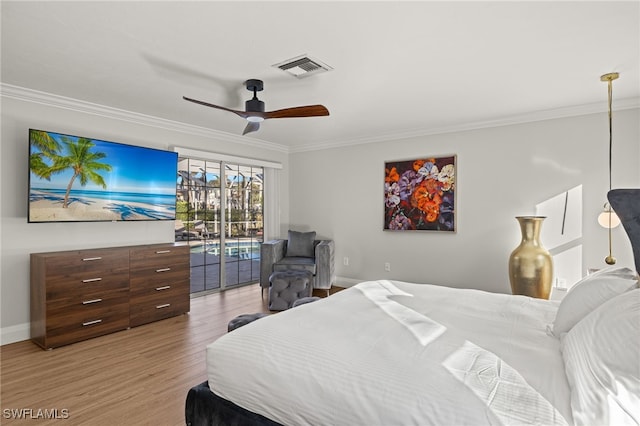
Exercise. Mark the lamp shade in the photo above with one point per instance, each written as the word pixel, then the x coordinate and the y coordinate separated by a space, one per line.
pixel 603 217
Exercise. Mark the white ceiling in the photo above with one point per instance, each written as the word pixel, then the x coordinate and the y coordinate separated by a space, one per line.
pixel 400 68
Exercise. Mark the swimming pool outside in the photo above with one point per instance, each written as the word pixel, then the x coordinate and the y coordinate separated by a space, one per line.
pixel 249 249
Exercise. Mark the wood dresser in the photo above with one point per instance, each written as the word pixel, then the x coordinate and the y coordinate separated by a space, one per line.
pixel 80 294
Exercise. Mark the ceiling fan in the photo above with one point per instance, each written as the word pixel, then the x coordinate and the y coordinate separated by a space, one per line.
pixel 254 109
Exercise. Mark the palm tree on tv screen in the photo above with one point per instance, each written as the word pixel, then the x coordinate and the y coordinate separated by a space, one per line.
pixel 83 162
pixel 49 149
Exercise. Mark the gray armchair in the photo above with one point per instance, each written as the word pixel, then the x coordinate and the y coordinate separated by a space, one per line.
pixel 301 251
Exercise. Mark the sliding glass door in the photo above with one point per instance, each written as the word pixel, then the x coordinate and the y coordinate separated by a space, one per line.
pixel 220 215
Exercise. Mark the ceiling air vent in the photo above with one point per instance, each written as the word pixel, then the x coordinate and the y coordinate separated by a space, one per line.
pixel 303 66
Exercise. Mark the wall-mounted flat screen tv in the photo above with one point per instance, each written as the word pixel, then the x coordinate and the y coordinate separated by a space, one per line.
pixel 78 179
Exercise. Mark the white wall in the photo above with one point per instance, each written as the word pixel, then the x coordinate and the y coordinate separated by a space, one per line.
pixel 19 238
pixel 501 172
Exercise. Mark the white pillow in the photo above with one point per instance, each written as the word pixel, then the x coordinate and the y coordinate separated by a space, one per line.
pixel 602 363
pixel 589 293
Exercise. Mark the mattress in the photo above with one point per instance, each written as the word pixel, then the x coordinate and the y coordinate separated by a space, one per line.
pixel 390 352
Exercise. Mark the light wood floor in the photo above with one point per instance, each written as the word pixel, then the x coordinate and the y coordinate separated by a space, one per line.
pixel 139 376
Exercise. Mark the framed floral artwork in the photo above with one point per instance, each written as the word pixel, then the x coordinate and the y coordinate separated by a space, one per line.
pixel 419 195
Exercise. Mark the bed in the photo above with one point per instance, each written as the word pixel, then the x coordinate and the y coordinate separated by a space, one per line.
pixel 395 353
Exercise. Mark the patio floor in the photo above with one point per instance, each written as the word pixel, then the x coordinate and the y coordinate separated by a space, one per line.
pixel 205 271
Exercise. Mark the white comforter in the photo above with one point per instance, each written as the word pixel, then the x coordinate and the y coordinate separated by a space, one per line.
pixel 393 353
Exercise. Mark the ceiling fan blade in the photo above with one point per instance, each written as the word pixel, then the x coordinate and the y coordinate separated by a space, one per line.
pixel 252 126
pixel 242 114
pixel 301 111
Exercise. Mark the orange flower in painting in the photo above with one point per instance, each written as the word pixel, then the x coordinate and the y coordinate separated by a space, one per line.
pixel 433 186
pixel 427 201
pixel 418 196
pixel 392 175
pixel 432 214
pixel 432 208
pixel 417 165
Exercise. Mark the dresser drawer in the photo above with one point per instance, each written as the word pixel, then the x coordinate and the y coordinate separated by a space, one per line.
pixel 67 308
pixel 150 257
pixel 154 307
pixel 90 262
pixel 172 289
pixel 159 277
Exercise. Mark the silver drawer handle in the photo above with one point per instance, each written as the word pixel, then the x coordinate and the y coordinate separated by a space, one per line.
pixel 166 287
pixel 166 305
pixel 84 324
pixel 91 280
pixel 163 270
pixel 163 251
pixel 88 302
pixel 89 259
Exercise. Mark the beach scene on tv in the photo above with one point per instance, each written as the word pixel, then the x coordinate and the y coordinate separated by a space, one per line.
pixel 78 179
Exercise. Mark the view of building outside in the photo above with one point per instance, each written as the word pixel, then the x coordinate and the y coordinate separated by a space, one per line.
pixel 219 212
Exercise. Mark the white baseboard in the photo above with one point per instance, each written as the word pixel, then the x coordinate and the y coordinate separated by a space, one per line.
pixel 15 333
pixel 346 282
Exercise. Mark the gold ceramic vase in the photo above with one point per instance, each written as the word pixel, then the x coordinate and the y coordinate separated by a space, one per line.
pixel 530 264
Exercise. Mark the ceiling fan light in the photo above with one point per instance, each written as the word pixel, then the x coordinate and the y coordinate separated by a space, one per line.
pixel 255 119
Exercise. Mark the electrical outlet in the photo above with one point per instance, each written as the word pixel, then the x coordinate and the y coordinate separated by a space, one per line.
pixel 387 266
pixel 561 283
pixel 345 261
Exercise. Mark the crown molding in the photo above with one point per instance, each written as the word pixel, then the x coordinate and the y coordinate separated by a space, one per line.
pixel 49 99
pixel 550 114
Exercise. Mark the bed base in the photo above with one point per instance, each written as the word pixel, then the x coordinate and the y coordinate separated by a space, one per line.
pixel 205 408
